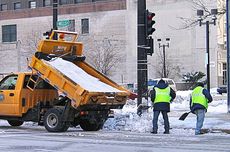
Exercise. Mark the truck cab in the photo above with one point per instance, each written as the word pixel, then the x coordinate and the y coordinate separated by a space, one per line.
pixel 59 66
pixel 16 99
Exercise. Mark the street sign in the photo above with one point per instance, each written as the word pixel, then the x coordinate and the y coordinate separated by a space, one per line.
pixel 63 23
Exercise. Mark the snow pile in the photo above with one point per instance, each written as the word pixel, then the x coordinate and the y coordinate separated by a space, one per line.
pixel 126 119
pixel 219 105
pixel 80 77
pixel 181 101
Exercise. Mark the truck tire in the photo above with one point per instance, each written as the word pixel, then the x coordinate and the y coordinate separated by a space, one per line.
pixel 88 125
pixel 53 122
pixel 15 123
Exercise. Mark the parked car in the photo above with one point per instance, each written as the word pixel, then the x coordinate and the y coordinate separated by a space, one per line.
pixel 152 83
pixel 222 89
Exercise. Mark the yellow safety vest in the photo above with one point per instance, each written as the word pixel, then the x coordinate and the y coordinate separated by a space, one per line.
pixel 162 95
pixel 198 97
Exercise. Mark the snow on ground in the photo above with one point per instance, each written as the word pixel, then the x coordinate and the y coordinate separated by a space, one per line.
pixel 127 119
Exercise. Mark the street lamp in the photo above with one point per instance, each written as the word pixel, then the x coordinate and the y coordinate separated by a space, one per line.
pixel 200 14
pixel 164 45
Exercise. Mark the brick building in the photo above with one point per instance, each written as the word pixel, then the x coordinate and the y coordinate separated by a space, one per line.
pixel 22 23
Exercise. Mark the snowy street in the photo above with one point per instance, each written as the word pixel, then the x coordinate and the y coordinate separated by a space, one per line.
pixel 33 138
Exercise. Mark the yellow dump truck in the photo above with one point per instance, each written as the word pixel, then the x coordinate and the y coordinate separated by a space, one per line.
pixel 61 90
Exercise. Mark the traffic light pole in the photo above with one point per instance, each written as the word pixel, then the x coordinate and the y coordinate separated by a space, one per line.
pixel 141 54
pixel 55 16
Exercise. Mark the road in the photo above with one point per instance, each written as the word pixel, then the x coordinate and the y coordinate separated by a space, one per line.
pixel 35 138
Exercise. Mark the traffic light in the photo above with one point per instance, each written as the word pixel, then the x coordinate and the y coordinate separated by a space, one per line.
pixel 150 46
pixel 149 22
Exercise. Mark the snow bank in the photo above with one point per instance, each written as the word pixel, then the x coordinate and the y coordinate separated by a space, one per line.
pixel 127 119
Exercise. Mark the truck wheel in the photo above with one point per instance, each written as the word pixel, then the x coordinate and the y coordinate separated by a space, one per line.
pixel 52 121
pixel 15 123
pixel 88 125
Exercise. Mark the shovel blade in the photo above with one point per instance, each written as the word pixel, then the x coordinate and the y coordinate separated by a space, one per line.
pixel 182 117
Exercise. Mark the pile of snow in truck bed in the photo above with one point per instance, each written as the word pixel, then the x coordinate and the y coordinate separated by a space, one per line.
pixel 80 77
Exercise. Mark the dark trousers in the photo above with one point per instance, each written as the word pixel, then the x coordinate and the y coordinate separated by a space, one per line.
pixel 155 120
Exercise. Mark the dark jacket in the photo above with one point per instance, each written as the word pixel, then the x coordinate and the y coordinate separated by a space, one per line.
pixel 196 106
pixel 162 106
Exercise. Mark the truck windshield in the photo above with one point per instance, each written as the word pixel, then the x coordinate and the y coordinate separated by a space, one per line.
pixel 9 82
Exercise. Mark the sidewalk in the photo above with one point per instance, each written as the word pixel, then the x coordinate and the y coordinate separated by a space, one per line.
pixel 214 122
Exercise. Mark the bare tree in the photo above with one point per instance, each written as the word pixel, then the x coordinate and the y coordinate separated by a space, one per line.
pixel 104 54
pixel 31 42
pixel 26 47
pixel 189 22
pixel 172 70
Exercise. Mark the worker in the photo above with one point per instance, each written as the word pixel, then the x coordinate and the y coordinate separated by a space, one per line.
pixel 161 96
pixel 199 104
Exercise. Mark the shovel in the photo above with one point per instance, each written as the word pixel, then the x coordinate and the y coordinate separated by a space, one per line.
pixel 182 117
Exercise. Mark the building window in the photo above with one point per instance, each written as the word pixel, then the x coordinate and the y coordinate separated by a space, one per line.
pixel 63 2
pixel 46 3
pixel 71 26
pixel 17 6
pixel 9 33
pixel 85 26
pixel 224 73
pixel 32 4
pixel 3 7
pixel 78 1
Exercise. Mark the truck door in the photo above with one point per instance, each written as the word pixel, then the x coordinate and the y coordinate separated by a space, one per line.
pixel 7 95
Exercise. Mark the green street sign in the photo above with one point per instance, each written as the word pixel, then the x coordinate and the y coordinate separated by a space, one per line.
pixel 63 23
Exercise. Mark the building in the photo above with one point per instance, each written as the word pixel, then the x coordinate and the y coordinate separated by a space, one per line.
pixel 222 44
pixel 22 23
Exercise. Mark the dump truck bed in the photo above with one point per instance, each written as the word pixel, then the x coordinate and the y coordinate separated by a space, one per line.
pixel 62 64
pixel 78 85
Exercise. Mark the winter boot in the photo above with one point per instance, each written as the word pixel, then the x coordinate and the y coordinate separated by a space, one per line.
pixel 166 132
pixel 154 131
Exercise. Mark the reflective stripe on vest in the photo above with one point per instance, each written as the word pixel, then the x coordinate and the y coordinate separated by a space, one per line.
pixel 162 95
pixel 198 97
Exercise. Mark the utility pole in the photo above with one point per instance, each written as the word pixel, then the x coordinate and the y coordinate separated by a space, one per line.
pixel 164 61
pixel 55 16
pixel 201 15
pixel 228 54
pixel 141 54
pixel 164 46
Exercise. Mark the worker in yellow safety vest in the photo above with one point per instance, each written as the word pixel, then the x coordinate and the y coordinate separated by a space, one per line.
pixel 200 98
pixel 161 96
